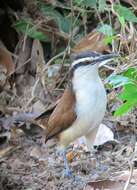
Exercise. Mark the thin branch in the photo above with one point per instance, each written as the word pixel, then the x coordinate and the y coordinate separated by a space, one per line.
pixel 52 59
pixel 130 177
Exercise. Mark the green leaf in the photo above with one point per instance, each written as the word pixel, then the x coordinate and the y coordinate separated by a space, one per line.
pixel 28 28
pixel 125 12
pixel 90 3
pixel 79 2
pixel 106 29
pixel 61 20
pixel 124 108
pixel 118 80
pixel 122 21
pixel 128 95
pixel 86 3
pixel 131 73
pixel 109 39
pixel 102 5
pixel 129 92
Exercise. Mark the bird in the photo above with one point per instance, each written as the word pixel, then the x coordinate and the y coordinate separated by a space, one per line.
pixel 82 106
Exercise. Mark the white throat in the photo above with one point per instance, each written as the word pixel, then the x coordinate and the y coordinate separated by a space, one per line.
pixel 85 74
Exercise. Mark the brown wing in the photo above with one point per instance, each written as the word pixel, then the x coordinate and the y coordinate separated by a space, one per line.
pixel 63 115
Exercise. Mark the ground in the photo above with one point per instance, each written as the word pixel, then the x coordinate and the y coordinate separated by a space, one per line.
pixel 33 166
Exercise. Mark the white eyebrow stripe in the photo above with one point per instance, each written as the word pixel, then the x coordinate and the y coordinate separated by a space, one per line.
pixel 81 60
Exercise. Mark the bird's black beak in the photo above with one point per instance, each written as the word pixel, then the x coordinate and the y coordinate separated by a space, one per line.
pixel 103 59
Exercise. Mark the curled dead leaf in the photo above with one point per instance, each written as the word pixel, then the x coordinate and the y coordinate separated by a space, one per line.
pixel 6 63
pixel 70 156
pixel 5 151
pixel 94 41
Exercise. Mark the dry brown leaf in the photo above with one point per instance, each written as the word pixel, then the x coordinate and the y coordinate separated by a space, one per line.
pixel 5 151
pixel 124 175
pixel 38 62
pixel 7 66
pixel 70 156
pixel 6 60
pixel 23 78
pixel 117 184
pixel 108 185
pixel 37 58
pixel 93 41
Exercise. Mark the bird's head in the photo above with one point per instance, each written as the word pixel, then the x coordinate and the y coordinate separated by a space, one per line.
pixel 91 60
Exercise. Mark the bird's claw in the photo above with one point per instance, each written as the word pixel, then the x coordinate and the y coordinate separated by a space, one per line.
pixel 68 173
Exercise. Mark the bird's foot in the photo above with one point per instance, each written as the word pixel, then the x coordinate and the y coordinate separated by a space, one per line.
pixel 75 179
pixel 102 168
pixel 68 173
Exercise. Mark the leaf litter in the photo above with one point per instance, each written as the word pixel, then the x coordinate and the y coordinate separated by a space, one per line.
pixel 26 162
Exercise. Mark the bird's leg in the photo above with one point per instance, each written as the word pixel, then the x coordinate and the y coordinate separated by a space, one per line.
pixel 61 151
pixel 68 172
pixel 90 138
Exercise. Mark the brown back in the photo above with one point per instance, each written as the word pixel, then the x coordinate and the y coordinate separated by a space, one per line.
pixel 63 115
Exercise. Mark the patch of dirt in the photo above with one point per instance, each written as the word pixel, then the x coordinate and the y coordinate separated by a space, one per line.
pixel 38 167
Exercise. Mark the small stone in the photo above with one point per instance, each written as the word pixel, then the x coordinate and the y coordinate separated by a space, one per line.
pixel 36 153
pixel 16 164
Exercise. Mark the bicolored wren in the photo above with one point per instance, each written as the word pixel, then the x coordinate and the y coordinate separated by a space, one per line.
pixel 83 103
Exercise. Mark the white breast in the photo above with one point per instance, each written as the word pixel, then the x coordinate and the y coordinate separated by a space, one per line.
pixel 90 97
pixel 90 104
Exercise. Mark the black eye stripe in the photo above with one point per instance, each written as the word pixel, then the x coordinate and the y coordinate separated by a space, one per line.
pixel 83 64
pixel 91 61
pixel 86 54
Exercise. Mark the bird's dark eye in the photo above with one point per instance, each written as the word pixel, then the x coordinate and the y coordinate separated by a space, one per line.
pixel 87 62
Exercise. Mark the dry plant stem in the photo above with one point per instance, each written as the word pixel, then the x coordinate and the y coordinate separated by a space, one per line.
pixel 122 29
pixel 101 21
pixel 68 46
pixel 113 45
pixel 71 33
pixel 8 110
pixel 32 94
pixel 23 64
pixel 128 48
pixel 133 38
pixel 76 18
pixel 130 161
pixel 46 28
pixel 24 40
pixel 25 37
pixel 52 59
pixel 67 50
pixel 46 90
pixel 130 177
pixel 99 17
pixel 109 67
pixel 36 25
pixel 85 23
pixel 62 80
pixel 14 55
pixel 78 9
pixel 38 80
pixel 62 53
